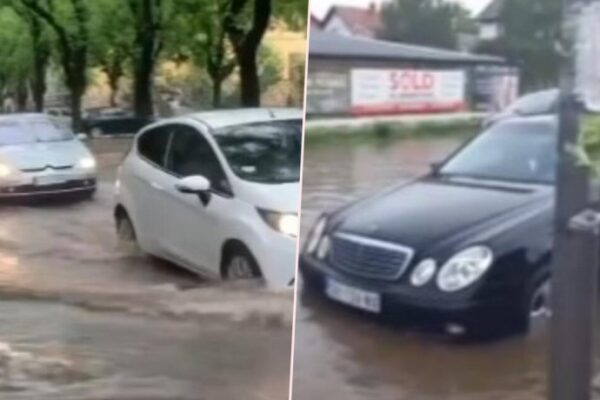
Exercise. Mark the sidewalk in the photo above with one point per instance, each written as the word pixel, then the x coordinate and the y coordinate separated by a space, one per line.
pixel 408 120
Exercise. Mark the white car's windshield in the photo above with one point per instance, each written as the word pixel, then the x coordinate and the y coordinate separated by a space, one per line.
pixel 511 151
pixel 18 132
pixel 266 152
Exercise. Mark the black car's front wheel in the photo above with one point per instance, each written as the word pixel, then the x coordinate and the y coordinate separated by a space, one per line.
pixel 96 132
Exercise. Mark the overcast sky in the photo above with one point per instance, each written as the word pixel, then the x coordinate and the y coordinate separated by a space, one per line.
pixel 320 7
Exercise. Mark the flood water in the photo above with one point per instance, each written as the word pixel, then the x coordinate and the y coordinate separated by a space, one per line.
pixel 82 318
pixel 345 355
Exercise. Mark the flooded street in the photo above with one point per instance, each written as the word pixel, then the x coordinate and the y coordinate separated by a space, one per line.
pixel 342 354
pixel 82 318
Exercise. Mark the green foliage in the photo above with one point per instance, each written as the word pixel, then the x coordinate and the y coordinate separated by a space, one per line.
pixel 531 30
pixel 587 151
pixel 15 51
pixel 269 67
pixel 424 22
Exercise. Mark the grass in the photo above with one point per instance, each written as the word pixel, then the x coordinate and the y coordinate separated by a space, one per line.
pixel 382 131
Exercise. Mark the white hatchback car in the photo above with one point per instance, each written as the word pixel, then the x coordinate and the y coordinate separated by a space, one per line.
pixel 38 157
pixel 216 192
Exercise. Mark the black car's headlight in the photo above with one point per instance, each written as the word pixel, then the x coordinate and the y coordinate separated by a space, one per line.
pixel 286 223
pixel 315 235
pixel 464 268
pixel 423 272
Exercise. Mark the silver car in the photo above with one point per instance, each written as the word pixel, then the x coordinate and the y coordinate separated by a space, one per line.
pixel 38 157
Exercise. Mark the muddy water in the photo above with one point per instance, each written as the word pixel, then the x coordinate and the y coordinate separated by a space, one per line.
pixel 82 318
pixel 341 354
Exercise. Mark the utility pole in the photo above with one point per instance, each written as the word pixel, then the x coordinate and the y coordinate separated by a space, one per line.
pixel 576 251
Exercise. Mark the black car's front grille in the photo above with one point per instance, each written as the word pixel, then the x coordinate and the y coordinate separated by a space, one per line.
pixel 369 258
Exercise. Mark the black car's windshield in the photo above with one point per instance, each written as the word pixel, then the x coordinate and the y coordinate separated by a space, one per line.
pixel 510 151
pixel 265 152
pixel 536 103
pixel 18 132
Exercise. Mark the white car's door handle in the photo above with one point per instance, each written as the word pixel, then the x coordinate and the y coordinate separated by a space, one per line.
pixel 156 186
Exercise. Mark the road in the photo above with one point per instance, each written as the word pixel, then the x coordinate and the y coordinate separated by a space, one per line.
pixel 82 318
pixel 345 355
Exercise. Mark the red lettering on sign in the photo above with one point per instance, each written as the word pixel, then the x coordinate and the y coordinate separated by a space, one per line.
pixel 412 81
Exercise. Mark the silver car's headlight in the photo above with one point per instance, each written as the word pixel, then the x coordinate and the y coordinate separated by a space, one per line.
pixel 316 235
pixel 87 162
pixel 464 268
pixel 6 171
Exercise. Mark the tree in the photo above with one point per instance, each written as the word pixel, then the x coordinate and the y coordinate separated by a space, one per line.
pixel 422 22
pixel 112 48
pixel 531 29
pixel 197 34
pixel 148 20
pixel 15 57
pixel 69 20
pixel 246 38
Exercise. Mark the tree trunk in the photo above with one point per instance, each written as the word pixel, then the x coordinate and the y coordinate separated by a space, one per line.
pixel 113 83
pixel 249 81
pixel 41 57
pixel 76 103
pixel 246 44
pixel 143 80
pixel 38 84
pixel 21 96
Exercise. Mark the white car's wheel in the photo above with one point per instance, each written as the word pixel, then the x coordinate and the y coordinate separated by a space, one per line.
pixel 240 265
pixel 126 234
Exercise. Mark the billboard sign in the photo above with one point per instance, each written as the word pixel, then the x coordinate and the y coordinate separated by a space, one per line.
pixel 404 91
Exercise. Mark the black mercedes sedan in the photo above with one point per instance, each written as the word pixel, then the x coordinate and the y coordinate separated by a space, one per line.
pixel 468 246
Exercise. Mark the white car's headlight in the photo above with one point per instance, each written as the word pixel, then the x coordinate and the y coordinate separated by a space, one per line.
pixel 464 268
pixel 423 272
pixel 87 163
pixel 288 224
pixel 315 236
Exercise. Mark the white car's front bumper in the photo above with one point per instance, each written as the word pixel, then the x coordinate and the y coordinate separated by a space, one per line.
pixel 276 256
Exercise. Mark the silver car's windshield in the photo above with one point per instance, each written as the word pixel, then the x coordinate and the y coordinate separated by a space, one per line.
pixel 17 132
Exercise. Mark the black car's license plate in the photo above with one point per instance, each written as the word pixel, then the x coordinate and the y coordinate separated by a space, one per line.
pixel 358 298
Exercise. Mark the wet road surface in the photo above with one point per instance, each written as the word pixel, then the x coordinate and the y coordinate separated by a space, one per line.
pixel 347 355
pixel 83 318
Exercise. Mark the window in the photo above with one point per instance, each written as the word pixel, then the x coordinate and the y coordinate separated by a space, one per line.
pixel 191 154
pixel 544 102
pixel 27 131
pixel 266 152
pixel 152 145
pixel 513 151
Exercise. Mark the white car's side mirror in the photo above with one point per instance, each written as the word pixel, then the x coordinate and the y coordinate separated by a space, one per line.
pixel 81 136
pixel 196 184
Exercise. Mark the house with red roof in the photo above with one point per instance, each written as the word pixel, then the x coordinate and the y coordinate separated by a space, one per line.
pixel 353 21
